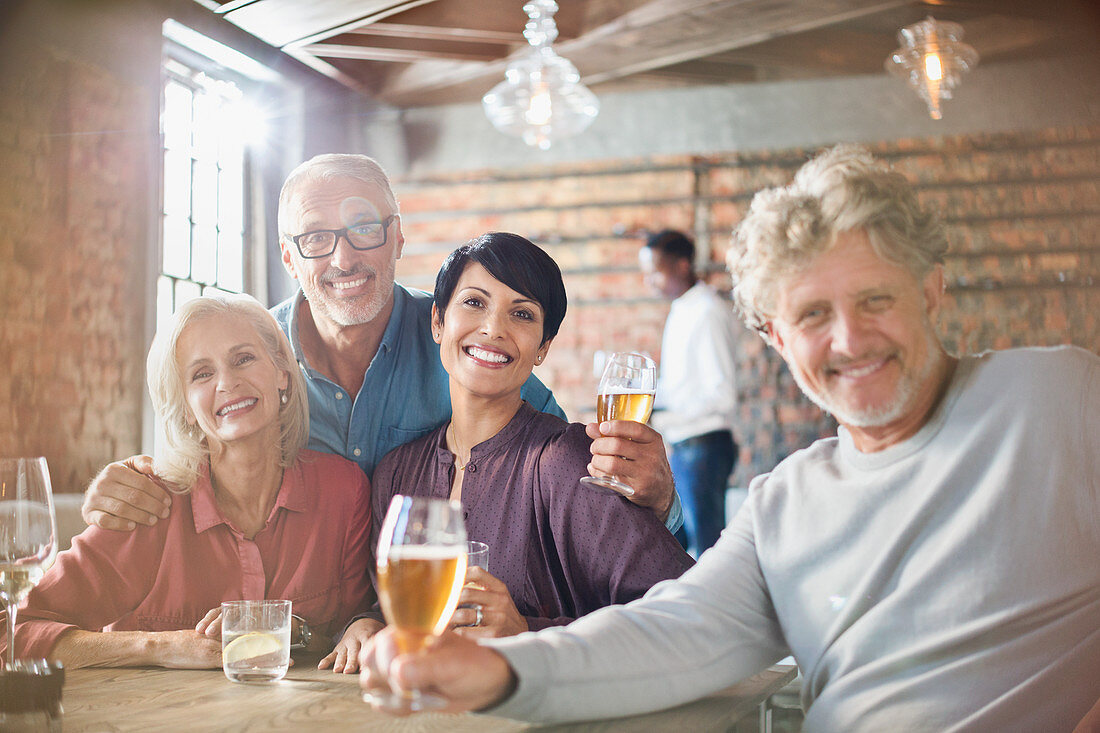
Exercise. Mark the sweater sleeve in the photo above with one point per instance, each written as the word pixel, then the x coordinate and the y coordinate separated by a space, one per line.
pixel 102 578
pixel 685 639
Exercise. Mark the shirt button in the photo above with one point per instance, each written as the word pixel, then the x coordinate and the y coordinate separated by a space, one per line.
pixel 357 452
pixel 471 468
pixel 339 395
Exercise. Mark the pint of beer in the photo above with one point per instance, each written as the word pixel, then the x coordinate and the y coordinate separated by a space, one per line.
pixel 418 586
pixel 624 405
pixel 626 392
pixel 421 569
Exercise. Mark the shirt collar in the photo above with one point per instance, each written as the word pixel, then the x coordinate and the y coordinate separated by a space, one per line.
pixel 293 496
pixel 395 326
pixel 292 329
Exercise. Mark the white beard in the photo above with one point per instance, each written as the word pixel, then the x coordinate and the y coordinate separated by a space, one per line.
pixel 883 414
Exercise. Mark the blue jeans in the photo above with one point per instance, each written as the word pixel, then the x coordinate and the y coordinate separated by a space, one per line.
pixel 701 467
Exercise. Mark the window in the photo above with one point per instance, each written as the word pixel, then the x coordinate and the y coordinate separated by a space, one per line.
pixel 203 202
pixel 214 207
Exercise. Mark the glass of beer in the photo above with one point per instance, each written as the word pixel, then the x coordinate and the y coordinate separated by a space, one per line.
pixel 421 569
pixel 626 392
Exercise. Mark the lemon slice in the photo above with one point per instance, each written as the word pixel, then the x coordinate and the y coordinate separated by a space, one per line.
pixel 253 644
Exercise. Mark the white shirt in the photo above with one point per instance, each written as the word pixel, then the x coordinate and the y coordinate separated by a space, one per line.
pixel 697 385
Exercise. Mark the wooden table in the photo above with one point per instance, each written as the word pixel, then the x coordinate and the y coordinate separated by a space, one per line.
pixel 150 699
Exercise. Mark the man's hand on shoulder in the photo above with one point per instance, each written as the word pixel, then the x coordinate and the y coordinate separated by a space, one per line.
pixel 123 496
pixel 636 455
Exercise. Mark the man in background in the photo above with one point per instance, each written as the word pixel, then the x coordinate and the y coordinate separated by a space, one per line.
pixel 697 388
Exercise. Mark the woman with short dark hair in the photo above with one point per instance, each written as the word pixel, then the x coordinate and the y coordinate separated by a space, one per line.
pixel 558 549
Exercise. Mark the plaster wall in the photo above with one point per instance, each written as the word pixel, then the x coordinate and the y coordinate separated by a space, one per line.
pixel 1004 97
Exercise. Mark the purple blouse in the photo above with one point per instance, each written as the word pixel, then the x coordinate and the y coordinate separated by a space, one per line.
pixel 562 548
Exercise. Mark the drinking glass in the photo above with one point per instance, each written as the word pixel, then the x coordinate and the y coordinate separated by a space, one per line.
pixel 477 556
pixel 255 640
pixel 28 533
pixel 421 569
pixel 626 392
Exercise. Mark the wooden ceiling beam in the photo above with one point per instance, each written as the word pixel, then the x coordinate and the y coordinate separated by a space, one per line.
pixel 291 23
pixel 395 55
pixel 710 30
pixel 658 34
pixel 436 33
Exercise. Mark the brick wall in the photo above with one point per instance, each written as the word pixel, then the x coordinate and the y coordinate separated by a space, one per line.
pixel 73 258
pixel 1024 269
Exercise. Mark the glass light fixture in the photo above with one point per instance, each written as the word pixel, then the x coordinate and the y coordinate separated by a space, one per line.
pixel 932 60
pixel 541 98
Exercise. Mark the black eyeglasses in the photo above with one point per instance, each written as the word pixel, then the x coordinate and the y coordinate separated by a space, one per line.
pixel 363 236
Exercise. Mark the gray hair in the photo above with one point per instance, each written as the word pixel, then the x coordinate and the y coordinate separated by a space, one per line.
pixel 326 168
pixel 840 190
pixel 186 446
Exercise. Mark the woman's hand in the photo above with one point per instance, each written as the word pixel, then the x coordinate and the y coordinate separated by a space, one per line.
pixel 499 616
pixel 185 649
pixel 211 624
pixel 345 657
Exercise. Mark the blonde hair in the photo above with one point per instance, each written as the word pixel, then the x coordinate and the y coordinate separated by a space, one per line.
pixel 187 448
pixel 841 189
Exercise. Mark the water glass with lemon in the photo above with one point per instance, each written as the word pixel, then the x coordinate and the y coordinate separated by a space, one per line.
pixel 255 640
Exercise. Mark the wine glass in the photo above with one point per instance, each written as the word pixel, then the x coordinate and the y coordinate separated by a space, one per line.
pixel 421 569
pixel 626 392
pixel 28 533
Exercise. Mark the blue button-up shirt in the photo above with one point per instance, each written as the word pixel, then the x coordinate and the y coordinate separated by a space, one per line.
pixel 405 393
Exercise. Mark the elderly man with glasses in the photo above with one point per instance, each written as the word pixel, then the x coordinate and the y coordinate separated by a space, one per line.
pixel 364 344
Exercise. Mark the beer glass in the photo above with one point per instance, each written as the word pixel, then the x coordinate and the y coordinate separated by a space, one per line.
pixel 626 392
pixel 421 569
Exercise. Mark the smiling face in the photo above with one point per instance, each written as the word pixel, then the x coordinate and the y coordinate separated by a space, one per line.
pixel 231 385
pixel 491 337
pixel 856 332
pixel 350 287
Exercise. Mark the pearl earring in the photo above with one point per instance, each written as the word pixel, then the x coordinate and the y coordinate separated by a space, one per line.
pixel 283 398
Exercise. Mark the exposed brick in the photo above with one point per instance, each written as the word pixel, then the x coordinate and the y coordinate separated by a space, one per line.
pixel 1029 201
pixel 73 258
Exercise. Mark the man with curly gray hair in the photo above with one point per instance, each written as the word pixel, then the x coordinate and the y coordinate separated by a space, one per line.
pixel 932 567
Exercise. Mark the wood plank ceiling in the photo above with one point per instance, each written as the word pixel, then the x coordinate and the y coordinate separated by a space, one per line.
pixel 410 53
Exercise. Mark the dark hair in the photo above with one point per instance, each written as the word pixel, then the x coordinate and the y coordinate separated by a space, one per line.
pixel 516 262
pixel 673 244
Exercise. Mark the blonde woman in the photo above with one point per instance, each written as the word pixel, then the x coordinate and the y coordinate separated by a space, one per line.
pixel 255 515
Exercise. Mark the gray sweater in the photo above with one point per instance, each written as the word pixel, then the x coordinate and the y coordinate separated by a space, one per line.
pixel 950 582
